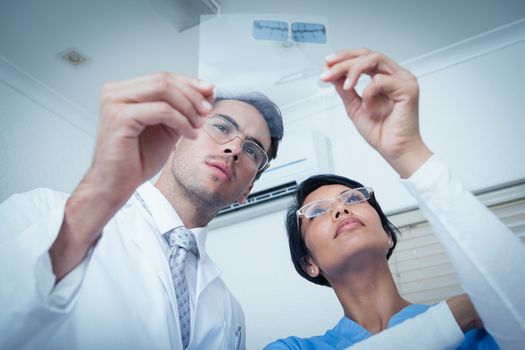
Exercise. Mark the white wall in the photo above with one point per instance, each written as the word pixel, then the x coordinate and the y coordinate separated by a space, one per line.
pixel 472 115
pixel 45 141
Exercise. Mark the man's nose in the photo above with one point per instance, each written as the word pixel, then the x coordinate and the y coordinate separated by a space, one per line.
pixel 234 147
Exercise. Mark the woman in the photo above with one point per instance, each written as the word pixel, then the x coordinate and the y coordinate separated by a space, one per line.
pixel 339 236
pixel 344 242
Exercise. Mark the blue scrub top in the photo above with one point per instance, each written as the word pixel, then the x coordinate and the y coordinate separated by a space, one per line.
pixel 348 332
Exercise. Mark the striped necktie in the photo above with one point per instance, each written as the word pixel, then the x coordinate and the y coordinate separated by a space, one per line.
pixel 181 241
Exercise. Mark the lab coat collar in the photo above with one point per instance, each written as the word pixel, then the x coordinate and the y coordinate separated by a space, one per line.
pixel 166 219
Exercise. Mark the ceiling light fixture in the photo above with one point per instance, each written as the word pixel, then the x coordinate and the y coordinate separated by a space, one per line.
pixel 73 57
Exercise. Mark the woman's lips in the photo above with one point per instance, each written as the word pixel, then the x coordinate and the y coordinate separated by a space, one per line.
pixel 348 224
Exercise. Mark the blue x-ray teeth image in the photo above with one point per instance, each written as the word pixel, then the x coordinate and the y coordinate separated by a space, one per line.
pixel 270 30
pixel 309 33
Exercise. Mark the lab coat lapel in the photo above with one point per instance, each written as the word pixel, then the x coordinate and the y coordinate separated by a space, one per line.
pixel 151 253
pixel 163 218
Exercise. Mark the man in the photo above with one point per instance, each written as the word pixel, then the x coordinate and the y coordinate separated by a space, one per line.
pixel 116 265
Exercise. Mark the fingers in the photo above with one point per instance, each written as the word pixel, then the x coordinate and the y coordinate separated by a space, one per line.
pixel 351 99
pixel 138 116
pixel 345 55
pixel 205 88
pixel 353 63
pixel 380 84
pixel 397 88
pixel 388 78
pixel 188 96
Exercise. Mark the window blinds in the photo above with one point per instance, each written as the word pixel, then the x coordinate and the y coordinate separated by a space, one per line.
pixel 420 265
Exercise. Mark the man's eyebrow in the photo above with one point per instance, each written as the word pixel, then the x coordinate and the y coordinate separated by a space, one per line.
pixel 234 123
pixel 231 120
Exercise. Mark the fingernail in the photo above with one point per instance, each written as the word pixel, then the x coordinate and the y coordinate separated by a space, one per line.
pixel 346 84
pixel 206 106
pixel 325 75
pixel 204 85
pixel 330 57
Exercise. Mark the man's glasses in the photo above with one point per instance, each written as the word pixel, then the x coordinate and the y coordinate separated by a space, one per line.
pixel 222 131
pixel 320 207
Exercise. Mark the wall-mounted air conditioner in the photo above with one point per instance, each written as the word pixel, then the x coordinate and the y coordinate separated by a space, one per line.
pixel 300 155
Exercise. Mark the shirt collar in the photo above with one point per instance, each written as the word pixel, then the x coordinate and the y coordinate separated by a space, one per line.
pixel 165 216
pixel 347 327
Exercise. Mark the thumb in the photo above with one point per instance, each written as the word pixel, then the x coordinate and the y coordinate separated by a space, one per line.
pixel 351 99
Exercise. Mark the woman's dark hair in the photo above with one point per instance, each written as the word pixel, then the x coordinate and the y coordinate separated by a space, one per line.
pixel 298 249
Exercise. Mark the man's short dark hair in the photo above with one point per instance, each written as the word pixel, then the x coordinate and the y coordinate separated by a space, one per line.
pixel 269 110
pixel 298 249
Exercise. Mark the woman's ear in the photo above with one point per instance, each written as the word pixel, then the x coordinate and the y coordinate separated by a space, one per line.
pixel 310 267
pixel 388 237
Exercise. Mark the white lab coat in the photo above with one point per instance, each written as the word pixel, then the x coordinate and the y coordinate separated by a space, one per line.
pixel 120 297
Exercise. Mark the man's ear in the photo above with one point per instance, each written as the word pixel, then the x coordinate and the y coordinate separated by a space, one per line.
pixel 245 194
pixel 310 267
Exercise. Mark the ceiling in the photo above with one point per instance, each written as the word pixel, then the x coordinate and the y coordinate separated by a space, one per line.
pixel 126 38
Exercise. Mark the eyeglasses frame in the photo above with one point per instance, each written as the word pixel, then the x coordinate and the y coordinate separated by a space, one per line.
pixel 244 139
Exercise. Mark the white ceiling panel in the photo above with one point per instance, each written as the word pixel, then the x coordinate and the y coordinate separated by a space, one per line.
pixel 125 38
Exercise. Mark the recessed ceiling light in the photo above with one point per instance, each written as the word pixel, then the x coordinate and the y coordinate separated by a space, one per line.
pixel 73 57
